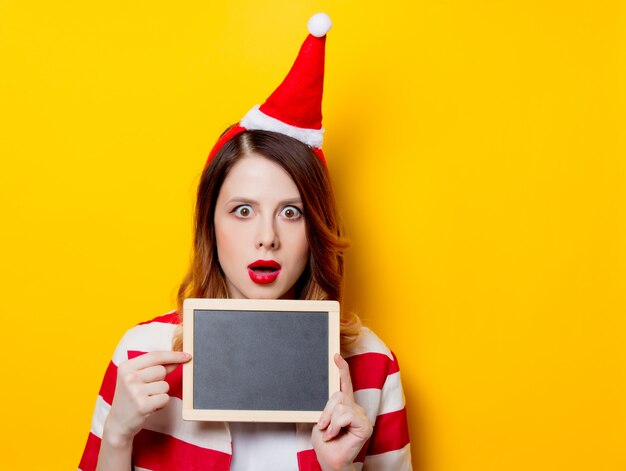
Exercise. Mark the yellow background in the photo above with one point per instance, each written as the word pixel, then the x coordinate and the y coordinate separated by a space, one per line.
pixel 478 153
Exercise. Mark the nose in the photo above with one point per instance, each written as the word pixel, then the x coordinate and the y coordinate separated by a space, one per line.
pixel 267 236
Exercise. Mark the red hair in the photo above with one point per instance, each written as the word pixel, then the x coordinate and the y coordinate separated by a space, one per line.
pixel 323 276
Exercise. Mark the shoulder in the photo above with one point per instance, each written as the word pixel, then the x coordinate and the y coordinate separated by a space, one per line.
pixel 155 334
pixel 371 361
pixel 171 317
pixel 369 342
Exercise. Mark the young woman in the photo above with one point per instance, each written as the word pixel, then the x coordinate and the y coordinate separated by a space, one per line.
pixel 266 227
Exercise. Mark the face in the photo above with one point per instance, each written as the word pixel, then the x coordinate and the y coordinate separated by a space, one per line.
pixel 260 230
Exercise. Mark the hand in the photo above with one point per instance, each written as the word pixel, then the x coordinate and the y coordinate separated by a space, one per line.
pixel 343 427
pixel 139 392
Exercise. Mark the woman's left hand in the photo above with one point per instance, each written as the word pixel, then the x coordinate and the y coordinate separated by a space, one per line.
pixel 343 427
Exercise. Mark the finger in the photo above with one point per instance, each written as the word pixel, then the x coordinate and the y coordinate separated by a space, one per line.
pixel 344 375
pixel 152 373
pixel 349 417
pixel 156 388
pixel 341 417
pixel 155 403
pixel 337 398
pixel 158 358
pixel 171 367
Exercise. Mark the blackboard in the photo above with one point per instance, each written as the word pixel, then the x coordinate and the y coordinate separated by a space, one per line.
pixel 259 360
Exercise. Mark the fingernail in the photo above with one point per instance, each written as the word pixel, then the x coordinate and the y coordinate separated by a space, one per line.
pixel 187 355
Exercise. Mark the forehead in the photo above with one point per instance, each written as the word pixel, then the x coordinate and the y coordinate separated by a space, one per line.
pixel 254 176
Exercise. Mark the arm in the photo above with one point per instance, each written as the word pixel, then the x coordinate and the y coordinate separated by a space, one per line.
pixel 129 394
pixel 140 391
pixel 343 427
pixel 389 446
pixel 115 452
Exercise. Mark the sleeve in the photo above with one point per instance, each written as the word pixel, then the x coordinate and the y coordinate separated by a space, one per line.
pixel 89 458
pixel 378 388
pixel 389 447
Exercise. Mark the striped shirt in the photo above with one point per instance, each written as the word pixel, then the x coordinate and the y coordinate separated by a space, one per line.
pixel 169 443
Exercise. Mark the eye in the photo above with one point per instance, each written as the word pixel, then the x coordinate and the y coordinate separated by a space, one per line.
pixel 243 211
pixel 291 212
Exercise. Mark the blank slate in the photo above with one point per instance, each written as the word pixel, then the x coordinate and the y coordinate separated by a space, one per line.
pixel 259 360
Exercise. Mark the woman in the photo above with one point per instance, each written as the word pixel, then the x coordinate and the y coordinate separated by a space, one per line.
pixel 263 196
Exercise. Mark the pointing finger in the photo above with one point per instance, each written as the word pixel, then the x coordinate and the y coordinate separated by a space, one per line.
pixel 158 358
pixel 344 376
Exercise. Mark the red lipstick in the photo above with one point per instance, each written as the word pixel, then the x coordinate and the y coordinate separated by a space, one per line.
pixel 264 272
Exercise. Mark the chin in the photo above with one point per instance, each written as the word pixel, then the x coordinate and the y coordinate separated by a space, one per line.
pixel 264 296
pixel 267 292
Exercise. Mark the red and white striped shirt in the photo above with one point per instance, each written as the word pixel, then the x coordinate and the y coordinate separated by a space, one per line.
pixel 169 443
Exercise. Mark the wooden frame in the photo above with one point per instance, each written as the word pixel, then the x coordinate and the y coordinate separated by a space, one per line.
pixel 251 305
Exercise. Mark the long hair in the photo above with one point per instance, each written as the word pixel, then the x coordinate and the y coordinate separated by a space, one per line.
pixel 323 275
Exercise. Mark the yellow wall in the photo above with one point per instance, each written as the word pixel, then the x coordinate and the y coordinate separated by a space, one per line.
pixel 478 151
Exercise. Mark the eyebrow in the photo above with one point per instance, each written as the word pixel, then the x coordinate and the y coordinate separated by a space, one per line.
pixel 238 199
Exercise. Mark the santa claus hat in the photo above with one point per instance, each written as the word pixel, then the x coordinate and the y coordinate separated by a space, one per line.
pixel 295 107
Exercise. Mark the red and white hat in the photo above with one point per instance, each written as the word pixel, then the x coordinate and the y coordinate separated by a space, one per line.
pixel 295 107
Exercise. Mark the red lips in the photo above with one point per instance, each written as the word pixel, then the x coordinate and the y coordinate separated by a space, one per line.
pixel 264 272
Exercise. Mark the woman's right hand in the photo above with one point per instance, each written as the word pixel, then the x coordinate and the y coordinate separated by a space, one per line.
pixel 140 391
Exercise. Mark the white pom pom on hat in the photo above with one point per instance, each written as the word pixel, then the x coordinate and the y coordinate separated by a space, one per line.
pixel 319 24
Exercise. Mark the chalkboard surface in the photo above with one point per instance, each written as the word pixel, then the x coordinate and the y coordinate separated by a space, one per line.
pixel 259 360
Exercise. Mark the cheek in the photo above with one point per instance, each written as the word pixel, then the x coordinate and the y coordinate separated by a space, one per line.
pixel 222 242
pixel 302 247
pixel 225 238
